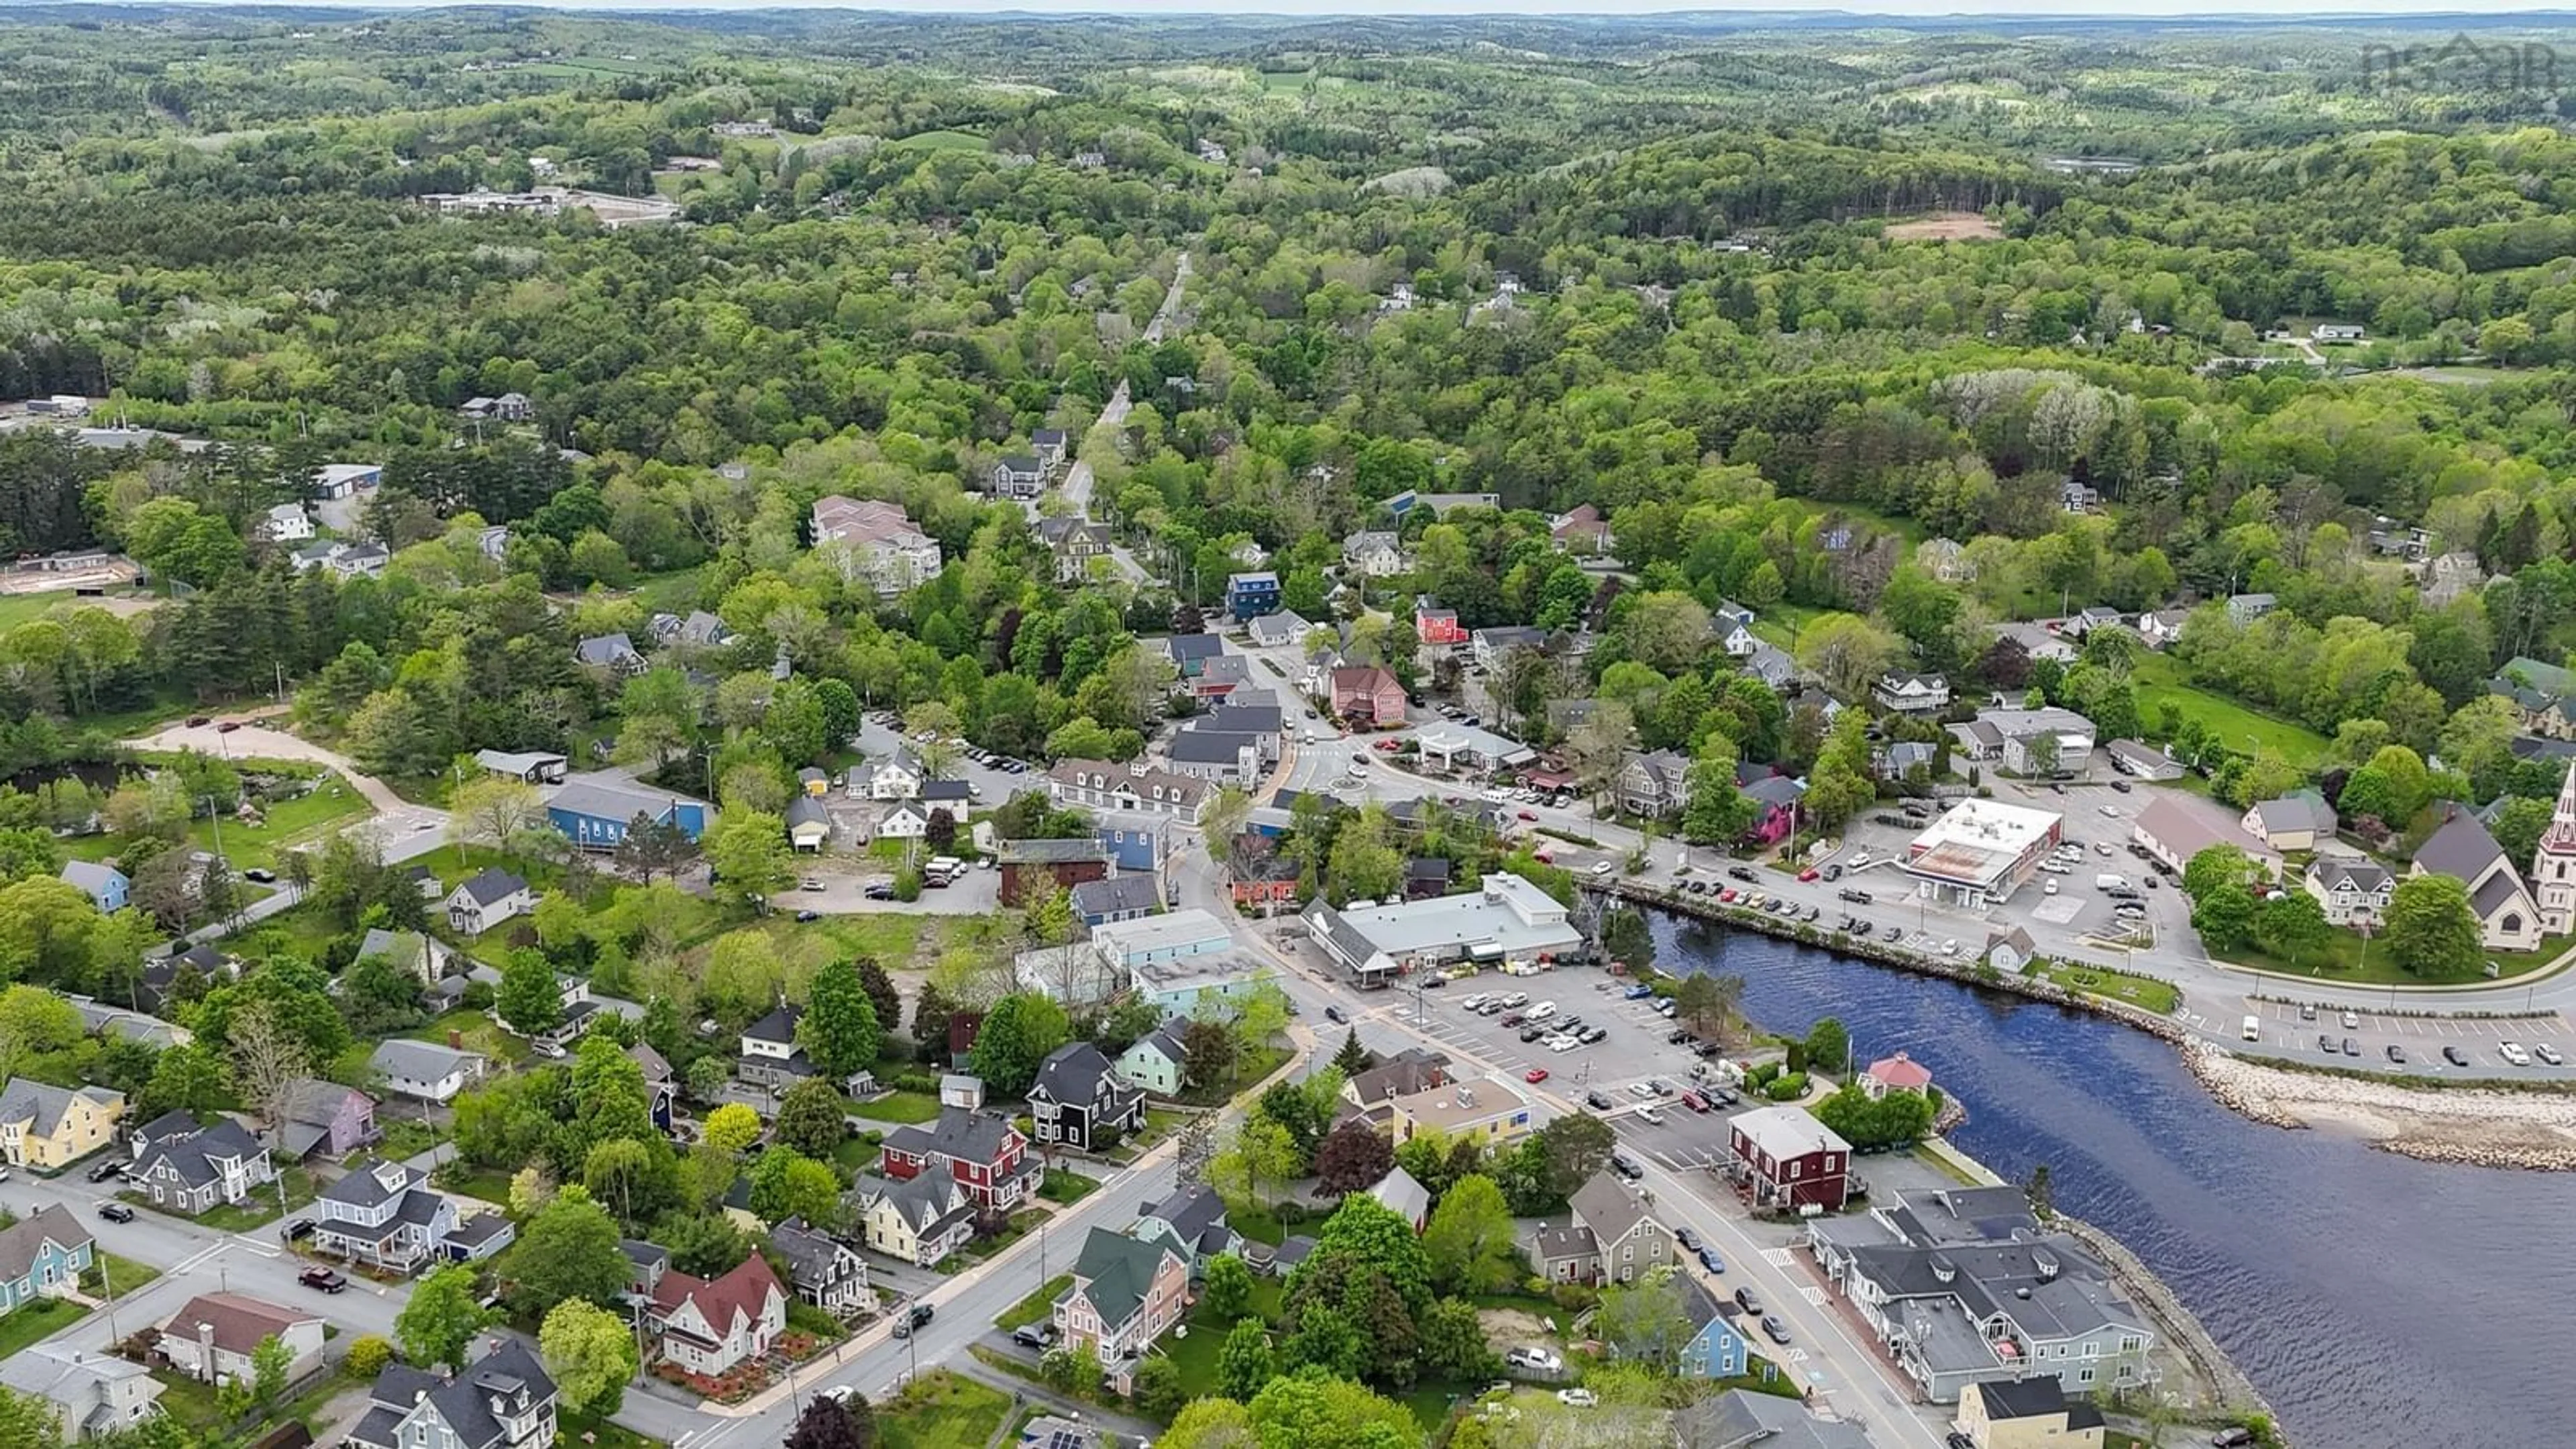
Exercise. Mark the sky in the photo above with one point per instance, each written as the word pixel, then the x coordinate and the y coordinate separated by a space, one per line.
pixel 1857 9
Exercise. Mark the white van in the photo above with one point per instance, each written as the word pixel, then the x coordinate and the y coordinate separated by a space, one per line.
pixel 1542 1011
pixel 2253 1028
pixel 2109 882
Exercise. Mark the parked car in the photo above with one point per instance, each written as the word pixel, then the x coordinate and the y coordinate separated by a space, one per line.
pixel 2455 1056
pixel 1033 1335
pixel 919 1315
pixel 1688 1238
pixel 809 916
pixel 260 875
pixel 1512 1018
pixel 1534 1358
pixel 116 1212
pixel 2351 1048
pixel 1600 867
pixel 1334 1013
pixel 1748 1300
pixel 1651 1116
pixel 323 1279
pixel 1576 1398
pixel 106 1170
pixel 1598 1100
pixel 300 1228
pixel 2548 1053
pixel 880 892
pixel 2397 1054
pixel 1626 1166
pixel 1855 897
pixel 1695 1101
pixel 1774 1329
pixel 2120 785
pixel 1709 1259
pixel 1535 1074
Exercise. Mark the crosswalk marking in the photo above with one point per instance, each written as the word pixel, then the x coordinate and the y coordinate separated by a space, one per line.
pixel 1797 1355
pixel 1779 1258
pixel 1814 1295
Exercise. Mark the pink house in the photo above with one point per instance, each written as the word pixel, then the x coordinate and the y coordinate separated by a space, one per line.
pixel 710 1327
pixel 1775 800
pixel 1370 694
pixel 1125 1293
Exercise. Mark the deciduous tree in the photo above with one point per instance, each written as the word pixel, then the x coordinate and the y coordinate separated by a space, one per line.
pixel 440 1318
pixel 590 1352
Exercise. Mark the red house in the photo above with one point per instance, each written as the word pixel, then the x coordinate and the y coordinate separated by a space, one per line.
pixel 1265 878
pixel 1433 624
pixel 1368 694
pixel 986 1155
pixel 1785 1159
pixel 1028 866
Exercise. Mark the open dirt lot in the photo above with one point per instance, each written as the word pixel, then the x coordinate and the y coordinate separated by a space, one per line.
pixel 1947 226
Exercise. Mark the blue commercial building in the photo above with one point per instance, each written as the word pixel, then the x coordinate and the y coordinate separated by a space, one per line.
pixel 595 811
pixel 1249 596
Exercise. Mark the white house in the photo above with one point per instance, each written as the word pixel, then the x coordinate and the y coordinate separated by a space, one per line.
pixel 1911 693
pixel 212 1338
pixel 709 1326
pixel 286 523
pixel 424 1071
pixel 492 896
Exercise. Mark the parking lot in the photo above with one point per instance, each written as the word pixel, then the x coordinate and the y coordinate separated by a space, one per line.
pixel 2420 1039
pixel 1637 1049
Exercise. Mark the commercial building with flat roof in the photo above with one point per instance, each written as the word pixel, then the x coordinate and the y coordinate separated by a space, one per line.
pixel 1981 851
pixel 1475 1109
pixel 1506 921
pixel 1176 985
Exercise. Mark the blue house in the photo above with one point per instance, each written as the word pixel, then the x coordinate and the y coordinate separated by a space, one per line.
pixel 104 884
pixel 1138 848
pixel 1715 1350
pixel 43 1256
pixel 1124 897
pixel 1249 596
pixel 594 811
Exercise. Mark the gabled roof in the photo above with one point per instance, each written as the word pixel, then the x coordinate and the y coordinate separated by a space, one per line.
pixel 196 1151
pixel 605 649
pixel 778 1026
pixel 2344 873
pixel 508 1372
pixel 744 1289
pixel 1398 1191
pixel 1075 1074
pixel 41 1105
pixel 2037 1397
pixel 491 884
pixel 959 1134
pixel 239 1322
pixel 418 1061
pixel 1116 1272
pixel 23 1240
pixel 1192 1216
pixel 806 810
pixel 2462 847
pixel 1210 747
pixel 1117 895
pixel 1606 1206
pixel 1166 1039
pixel 812 1256
pixel 929 1204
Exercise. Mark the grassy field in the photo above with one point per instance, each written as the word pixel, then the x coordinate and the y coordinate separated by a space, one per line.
pixel 2341 960
pixel 2160 682
pixel 258 1210
pixel 2140 991
pixel 1067 1187
pixel 940 1410
pixel 899 1107
pixel 300 821
pixel 1036 1307
pixel 941 141
pixel 123 1274
pixel 34 1322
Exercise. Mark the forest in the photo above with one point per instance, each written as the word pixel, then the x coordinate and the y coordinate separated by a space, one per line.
pixel 1886 348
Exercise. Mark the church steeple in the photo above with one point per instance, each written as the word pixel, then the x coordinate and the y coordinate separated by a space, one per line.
pixel 2553 865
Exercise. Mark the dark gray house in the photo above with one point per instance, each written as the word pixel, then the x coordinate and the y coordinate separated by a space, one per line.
pixel 1079 1098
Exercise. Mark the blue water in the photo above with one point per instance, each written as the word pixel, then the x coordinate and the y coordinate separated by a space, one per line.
pixel 2376 1301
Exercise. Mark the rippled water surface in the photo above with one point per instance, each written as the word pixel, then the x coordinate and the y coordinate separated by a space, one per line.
pixel 2376 1301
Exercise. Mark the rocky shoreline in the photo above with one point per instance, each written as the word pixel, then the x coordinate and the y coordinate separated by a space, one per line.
pixel 2531 1132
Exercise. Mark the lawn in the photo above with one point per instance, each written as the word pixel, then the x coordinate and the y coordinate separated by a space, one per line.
pixel 941 141
pixel 899 1107
pixel 940 1410
pixel 122 1274
pixel 859 1152
pixel 2157 996
pixel 259 1210
pixel 34 1322
pixel 1067 1187
pixel 2341 960
pixel 1021 1224
pixel 2159 681
pixel 1037 1307
pixel 889 937
pixel 488 1184
pixel 1259 1224
pixel 480 1033
pixel 299 821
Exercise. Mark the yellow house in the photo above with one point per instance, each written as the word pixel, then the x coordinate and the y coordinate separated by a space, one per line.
pixel 920 1219
pixel 1476 1109
pixel 2029 1413
pixel 47 1126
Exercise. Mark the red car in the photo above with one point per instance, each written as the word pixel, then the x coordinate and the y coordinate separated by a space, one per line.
pixel 1727 894
pixel 1807 874
pixel 1389 746
pixel 1529 815
pixel 1542 857
pixel 1535 1074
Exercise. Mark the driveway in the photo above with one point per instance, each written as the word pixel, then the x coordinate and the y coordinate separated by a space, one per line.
pixel 396 820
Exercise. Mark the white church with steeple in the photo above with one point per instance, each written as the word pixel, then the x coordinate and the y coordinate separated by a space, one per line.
pixel 2553 866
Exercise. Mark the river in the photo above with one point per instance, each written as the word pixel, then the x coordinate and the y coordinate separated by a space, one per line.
pixel 2376 1301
